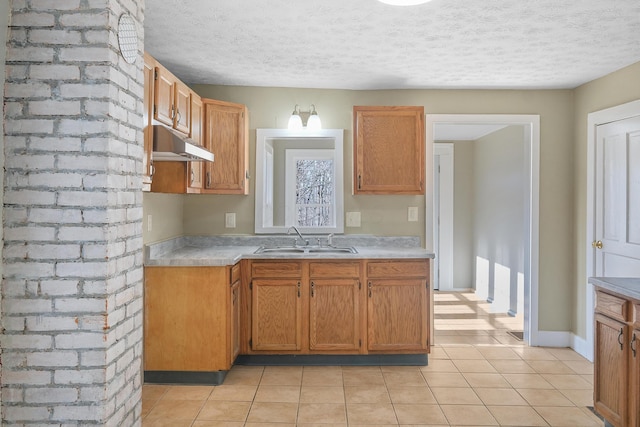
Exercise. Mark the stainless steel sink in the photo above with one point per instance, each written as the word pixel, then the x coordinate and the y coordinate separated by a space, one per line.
pixel 306 250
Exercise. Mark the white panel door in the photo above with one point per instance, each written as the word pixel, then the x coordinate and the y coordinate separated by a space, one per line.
pixel 617 216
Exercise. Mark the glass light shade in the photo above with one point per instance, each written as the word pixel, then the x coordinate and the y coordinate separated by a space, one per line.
pixel 404 2
pixel 295 122
pixel 314 122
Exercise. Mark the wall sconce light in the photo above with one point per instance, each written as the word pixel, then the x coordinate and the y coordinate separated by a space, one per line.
pixel 300 119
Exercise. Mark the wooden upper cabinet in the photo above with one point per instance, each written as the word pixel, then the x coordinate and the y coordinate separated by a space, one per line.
pixel 147 166
pixel 389 150
pixel 196 169
pixel 164 110
pixel 226 129
pixel 182 120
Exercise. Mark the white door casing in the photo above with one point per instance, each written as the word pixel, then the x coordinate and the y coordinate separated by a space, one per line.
pixel 443 216
pixel 613 201
pixel 532 171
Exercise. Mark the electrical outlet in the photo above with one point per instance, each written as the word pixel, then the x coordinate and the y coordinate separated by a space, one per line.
pixel 353 219
pixel 230 220
pixel 149 222
pixel 412 213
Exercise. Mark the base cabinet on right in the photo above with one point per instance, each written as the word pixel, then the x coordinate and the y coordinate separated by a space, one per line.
pixel 617 359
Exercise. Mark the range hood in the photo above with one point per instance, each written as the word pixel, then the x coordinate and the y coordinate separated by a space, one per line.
pixel 171 146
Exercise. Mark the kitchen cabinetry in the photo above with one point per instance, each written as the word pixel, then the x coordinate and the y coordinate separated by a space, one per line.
pixel 616 361
pixel 191 323
pixel 388 150
pixel 196 169
pixel 226 134
pixel 172 100
pixel 397 295
pixel 147 114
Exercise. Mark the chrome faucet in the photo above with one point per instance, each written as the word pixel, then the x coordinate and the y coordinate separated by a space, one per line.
pixel 293 228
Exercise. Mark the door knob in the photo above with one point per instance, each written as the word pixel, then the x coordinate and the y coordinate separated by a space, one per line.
pixel 597 244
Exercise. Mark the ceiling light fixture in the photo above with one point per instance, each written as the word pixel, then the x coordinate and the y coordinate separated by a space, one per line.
pixel 304 119
pixel 404 2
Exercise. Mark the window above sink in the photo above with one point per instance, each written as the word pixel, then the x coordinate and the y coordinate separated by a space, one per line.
pixel 299 181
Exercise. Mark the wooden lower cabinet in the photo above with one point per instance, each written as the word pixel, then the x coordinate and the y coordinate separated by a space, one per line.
pixel 617 359
pixel 397 296
pixel 322 307
pixel 191 319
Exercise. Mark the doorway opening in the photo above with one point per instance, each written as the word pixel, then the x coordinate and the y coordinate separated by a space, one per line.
pixel 490 265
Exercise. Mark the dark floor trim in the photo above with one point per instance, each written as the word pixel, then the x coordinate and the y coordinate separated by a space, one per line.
pixel 333 359
pixel 184 377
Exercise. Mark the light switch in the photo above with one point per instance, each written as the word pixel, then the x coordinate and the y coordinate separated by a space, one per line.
pixel 149 222
pixel 353 219
pixel 412 213
pixel 230 220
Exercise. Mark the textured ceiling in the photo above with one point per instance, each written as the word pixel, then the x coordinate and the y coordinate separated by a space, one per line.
pixel 364 44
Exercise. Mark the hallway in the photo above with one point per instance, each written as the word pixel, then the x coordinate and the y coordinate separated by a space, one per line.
pixel 478 374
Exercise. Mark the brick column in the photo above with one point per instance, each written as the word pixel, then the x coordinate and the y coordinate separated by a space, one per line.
pixel 72 260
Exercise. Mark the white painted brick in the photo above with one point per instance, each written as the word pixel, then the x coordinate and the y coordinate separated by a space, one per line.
pixel 81 162
pixel 115 351
pixel 93 358
pixel 88 376
pixel 61 37
pixel 28 126
pixel 30 162
pixel 52 359
pixel 78 90
pixel 54 72
pixel 18 36
pixel 55 4
pixel 54 108
pixel 51 395
pixel 28 270
pixel 15 143
pixel 116 316
pixel 26 306
pixel 124 264
pixel 94 287
pixel 82 198
pixel 95 181
pixel 97 107
pixel 53 251
pixel 77 234
pixel 59 287
pixel 92 323
pixel 14 110
pixel 82 127
pixel 57 216
pixel 84 20
pixel 127 133
pixel 92 412
pixel 79 340
pixel 123 329
pixel 84 54
pixel 13 287
pixel 67 143
pixel 29 54
pixel 31 19
pixel 30 342
pixel 12 395
pixel 98 72
pixel 51 323
pixel 81 269
pixel 96 36
pixel 91 394
pixel 25 413
pixel 59 180
pixel 79 305
pixel 29 233
pixel 15 215
pixel 90 251
pixel 16 72
pixel 27 90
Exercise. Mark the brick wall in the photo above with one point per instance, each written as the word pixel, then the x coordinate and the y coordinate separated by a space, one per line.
pixel 72 259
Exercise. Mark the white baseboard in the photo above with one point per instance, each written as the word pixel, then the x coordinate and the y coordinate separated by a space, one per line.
pixel 553 339
pixel 582 347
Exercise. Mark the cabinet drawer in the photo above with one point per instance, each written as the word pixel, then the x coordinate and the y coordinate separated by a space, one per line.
pixel 636 315
pixel 612 306
pixel 276 269
pixel 334 269
pixel 397 269
pixel 235 273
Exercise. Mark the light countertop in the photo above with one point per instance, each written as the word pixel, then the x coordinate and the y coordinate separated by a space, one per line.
pixel 228 250
pixel 624 286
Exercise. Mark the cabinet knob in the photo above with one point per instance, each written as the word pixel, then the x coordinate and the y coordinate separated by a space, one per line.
pixel 633 345
pixel 620 339
pixel 369 286
pixel 313 289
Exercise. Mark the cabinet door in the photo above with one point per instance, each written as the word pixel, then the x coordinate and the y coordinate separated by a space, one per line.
pixel 147 167
pixel 235 321
pixel 634 378
pixel 397 314
pixel 182 98
pixel 276 306
pixel 334 315
pixel 388 150
pixel 195 133
pixel 611 362
pixel 164 110
pixel 226 135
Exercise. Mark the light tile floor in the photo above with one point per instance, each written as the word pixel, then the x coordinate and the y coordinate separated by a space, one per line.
pixel 478 375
